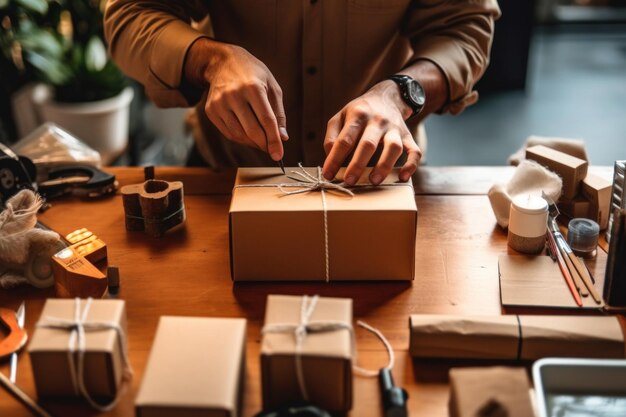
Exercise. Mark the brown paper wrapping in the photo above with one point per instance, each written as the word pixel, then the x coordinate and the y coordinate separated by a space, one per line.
pixel 473 390
pixel 281 238
pixel 196 368
pixel 48 350
pixel 326 356
pixel 498 337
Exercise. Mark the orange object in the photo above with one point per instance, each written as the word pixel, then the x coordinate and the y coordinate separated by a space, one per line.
pixel 75 276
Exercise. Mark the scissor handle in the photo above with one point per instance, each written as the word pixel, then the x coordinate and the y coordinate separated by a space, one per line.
pixel 16 337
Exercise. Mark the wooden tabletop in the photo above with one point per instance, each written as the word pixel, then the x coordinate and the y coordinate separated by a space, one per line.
pixel 187 273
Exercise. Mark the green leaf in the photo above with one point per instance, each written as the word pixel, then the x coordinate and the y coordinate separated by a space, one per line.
pixel 95 55
pixel 52 71
pixel 39 6
pixel 40 41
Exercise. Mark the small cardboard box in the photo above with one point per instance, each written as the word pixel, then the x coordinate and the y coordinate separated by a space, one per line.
pixel 571 169
pixel 578 207
pixel 196 368
pixel 475 391
pixel 326 356
pixel 598 191
pixel 280 237
pixel 48 350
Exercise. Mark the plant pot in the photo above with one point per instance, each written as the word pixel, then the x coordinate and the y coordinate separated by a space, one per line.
pixel 103 125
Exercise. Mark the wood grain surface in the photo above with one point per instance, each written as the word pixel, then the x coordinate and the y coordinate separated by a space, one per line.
pixel 187 273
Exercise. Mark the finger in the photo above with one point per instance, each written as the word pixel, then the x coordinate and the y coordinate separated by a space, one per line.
pixel 414 154
pixel 275 96
pixel 229 119
pixel 364 150
pixel 392 150
pixel 254 133
pixel 261 107
pixel 345 143
pixel 332 131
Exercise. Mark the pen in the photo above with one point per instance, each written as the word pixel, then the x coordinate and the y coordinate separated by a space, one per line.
pixel 282 166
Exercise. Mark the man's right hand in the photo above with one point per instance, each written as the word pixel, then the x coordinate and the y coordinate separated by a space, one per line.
pixel 244 102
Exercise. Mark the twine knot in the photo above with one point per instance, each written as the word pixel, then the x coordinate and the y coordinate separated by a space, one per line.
pixel 307 182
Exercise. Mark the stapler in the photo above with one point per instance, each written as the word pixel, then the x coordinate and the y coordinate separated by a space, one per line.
pixel 79 180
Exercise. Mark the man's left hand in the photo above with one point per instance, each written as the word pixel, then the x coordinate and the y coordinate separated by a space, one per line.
pixel 376 118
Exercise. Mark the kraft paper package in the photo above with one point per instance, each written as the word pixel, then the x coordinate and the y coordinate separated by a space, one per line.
pixel 196 368
pixel 323 356
pixel 284 228
pixel 55 337
pixel 512 337
pixel 490 391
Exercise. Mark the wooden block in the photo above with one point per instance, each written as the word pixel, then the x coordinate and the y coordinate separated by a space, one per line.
pixel 571 169
pixel 578 207
pixel 75 276
pixel 598 191
pixel 153 206
pixel 88 245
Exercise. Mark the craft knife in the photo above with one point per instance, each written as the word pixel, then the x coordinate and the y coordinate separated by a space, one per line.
pixel 282 166
pixel 20 315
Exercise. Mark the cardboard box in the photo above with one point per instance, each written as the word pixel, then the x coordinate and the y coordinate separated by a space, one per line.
pixel 571 169
pixel 326 356
pixel 578 207
pixel 274 236
pixel 196 368
pixel 48 350
pixel 498 337
pixel 598 191
pixel 475 391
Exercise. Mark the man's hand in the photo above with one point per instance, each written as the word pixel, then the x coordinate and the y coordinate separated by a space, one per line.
pixel 244 102
pixel 376 118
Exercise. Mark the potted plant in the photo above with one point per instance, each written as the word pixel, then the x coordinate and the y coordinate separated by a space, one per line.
pixel 61 43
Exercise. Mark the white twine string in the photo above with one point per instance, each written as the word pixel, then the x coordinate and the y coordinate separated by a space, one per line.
pixel 77 328
pixel 305 182
pixel 305 326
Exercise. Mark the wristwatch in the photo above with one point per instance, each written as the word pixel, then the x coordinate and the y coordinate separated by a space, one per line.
pixel 411 91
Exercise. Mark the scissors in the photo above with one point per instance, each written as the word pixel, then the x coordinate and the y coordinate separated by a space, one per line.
pixel 13 323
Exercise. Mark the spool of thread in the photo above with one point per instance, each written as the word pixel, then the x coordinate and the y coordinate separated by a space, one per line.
pixel 582 236
pixel 528 222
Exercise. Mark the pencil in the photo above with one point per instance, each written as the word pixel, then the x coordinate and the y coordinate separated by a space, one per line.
pixel 568 278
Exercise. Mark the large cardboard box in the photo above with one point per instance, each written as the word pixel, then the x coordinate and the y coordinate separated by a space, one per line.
pixel 325 357
pixel 571 169
pixel 196 368
pixel 103 361
pixel 313 237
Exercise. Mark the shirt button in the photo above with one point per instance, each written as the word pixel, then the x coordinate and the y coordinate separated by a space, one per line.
pixel 312 70
pixel 310 136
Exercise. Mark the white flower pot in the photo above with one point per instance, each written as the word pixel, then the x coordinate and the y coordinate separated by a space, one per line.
pixel 103 125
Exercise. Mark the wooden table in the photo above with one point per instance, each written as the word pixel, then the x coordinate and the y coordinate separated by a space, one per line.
pixel 187 273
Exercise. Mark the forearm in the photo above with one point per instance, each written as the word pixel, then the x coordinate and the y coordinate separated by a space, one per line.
pixel 202 58
pixel 148 39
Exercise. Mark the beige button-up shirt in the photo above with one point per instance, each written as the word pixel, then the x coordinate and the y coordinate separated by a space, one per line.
pixel 323 53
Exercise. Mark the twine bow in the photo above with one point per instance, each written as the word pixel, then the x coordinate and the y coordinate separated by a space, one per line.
pixel 78 327
pixel 308 183
pixel 305 327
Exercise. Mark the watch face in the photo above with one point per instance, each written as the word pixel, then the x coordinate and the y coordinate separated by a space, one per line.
pixel 416 93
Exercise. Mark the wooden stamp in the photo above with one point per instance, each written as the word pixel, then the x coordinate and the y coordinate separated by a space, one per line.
pixel 153 206
pixel 75 276
pixel 88 245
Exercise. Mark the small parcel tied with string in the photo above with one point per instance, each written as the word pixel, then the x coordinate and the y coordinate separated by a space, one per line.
pixel 308 352
pixel 301 227
pixel 78 349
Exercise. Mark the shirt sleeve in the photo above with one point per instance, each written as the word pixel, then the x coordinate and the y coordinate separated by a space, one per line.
pixel 456 36
pixel 149 40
